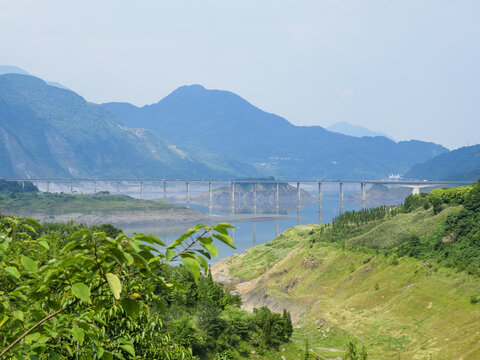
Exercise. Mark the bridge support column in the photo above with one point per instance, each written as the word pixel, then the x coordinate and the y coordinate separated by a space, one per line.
pixel 320 203
pixel 48 186
pixel 118 187
pixel 276 228
pixel 94 187
pixel 165 191
pixel 141 190
pixel 298 203
pixel 416 190
pixel 188 195
pixel 341 198
pixel 364 196
pixel 277 199
pixel 71 187
pixel 233 198
pixel 254 198
pixel 254 233
pixel 210 198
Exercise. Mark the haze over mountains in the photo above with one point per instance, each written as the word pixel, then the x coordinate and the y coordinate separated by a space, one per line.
pixel 459 164
pixel 346 128
pixel 47 131
pixel 223 122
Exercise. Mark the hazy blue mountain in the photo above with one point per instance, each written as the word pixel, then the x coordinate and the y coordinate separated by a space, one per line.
pixel 346 128
pixel 224 123
pixel 8 69
pixel 460 164
pixel 46 131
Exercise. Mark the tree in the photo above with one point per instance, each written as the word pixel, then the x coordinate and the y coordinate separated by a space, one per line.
pixel 287 324
pixel 353 353
pixel 94 297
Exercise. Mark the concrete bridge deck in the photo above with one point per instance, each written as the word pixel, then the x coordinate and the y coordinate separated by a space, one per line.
pixel 415 185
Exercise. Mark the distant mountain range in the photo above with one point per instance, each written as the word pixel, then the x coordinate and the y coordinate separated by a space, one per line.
pixel 223 122
pixel 460 164
pixel 346 128
pixel 8 69
pixel 46 131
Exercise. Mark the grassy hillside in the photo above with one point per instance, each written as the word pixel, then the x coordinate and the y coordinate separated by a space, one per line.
pixel 52 204
pixel 391 280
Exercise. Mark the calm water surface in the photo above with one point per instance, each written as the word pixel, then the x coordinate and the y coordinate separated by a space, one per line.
pixel 249 234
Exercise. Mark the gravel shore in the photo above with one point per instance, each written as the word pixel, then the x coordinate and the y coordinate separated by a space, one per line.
pixel 172 216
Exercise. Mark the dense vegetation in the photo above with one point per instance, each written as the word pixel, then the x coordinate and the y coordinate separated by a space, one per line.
pixel 69 291
pixel 9 187
pixel 455 244
pixel 403 282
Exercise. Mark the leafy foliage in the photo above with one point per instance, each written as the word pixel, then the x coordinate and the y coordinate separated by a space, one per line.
pixel 207 318
pixel 10 187
pixel 93 298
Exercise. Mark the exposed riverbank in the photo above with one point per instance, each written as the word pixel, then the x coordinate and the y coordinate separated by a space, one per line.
pixel 147 217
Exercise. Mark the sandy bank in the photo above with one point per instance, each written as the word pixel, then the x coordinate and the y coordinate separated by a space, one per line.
pixel 138 218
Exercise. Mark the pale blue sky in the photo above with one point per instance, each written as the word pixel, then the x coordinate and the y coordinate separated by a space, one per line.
pixel 407 68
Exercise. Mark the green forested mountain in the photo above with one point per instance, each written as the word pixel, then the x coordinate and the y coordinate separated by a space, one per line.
pixel 223 122
pixel 460 164
pixel 46 131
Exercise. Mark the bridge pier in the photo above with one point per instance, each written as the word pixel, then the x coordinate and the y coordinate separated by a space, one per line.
pixel 71 187
pixel 298 203
pixel 210 198
pixel 233 198
pixel 141 190
pixel 320 203
pixel 118 187
pixel 165 191
pixel 341 198
pixel 254 233
pixel 48 186
pixel 188 195
pixel 94 187
pixel 276 228
pixel 364 195
pixel 277 200
pixel 254 198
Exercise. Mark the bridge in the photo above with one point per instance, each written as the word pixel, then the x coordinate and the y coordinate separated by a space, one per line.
pixel 415 185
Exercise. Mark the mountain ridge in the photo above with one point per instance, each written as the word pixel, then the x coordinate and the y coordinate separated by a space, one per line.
pixel 345 128
pixel 52 132
pixel 458 164
pixel 267 141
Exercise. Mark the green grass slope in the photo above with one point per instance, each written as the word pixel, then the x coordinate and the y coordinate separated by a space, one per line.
pixel 53 204
pixel 354 284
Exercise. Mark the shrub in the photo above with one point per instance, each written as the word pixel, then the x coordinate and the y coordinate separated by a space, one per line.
pixel 474 299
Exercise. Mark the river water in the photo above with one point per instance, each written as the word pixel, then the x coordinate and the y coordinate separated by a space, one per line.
pixel 253 233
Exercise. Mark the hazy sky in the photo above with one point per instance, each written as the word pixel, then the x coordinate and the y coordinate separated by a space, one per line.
pixel 407 68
